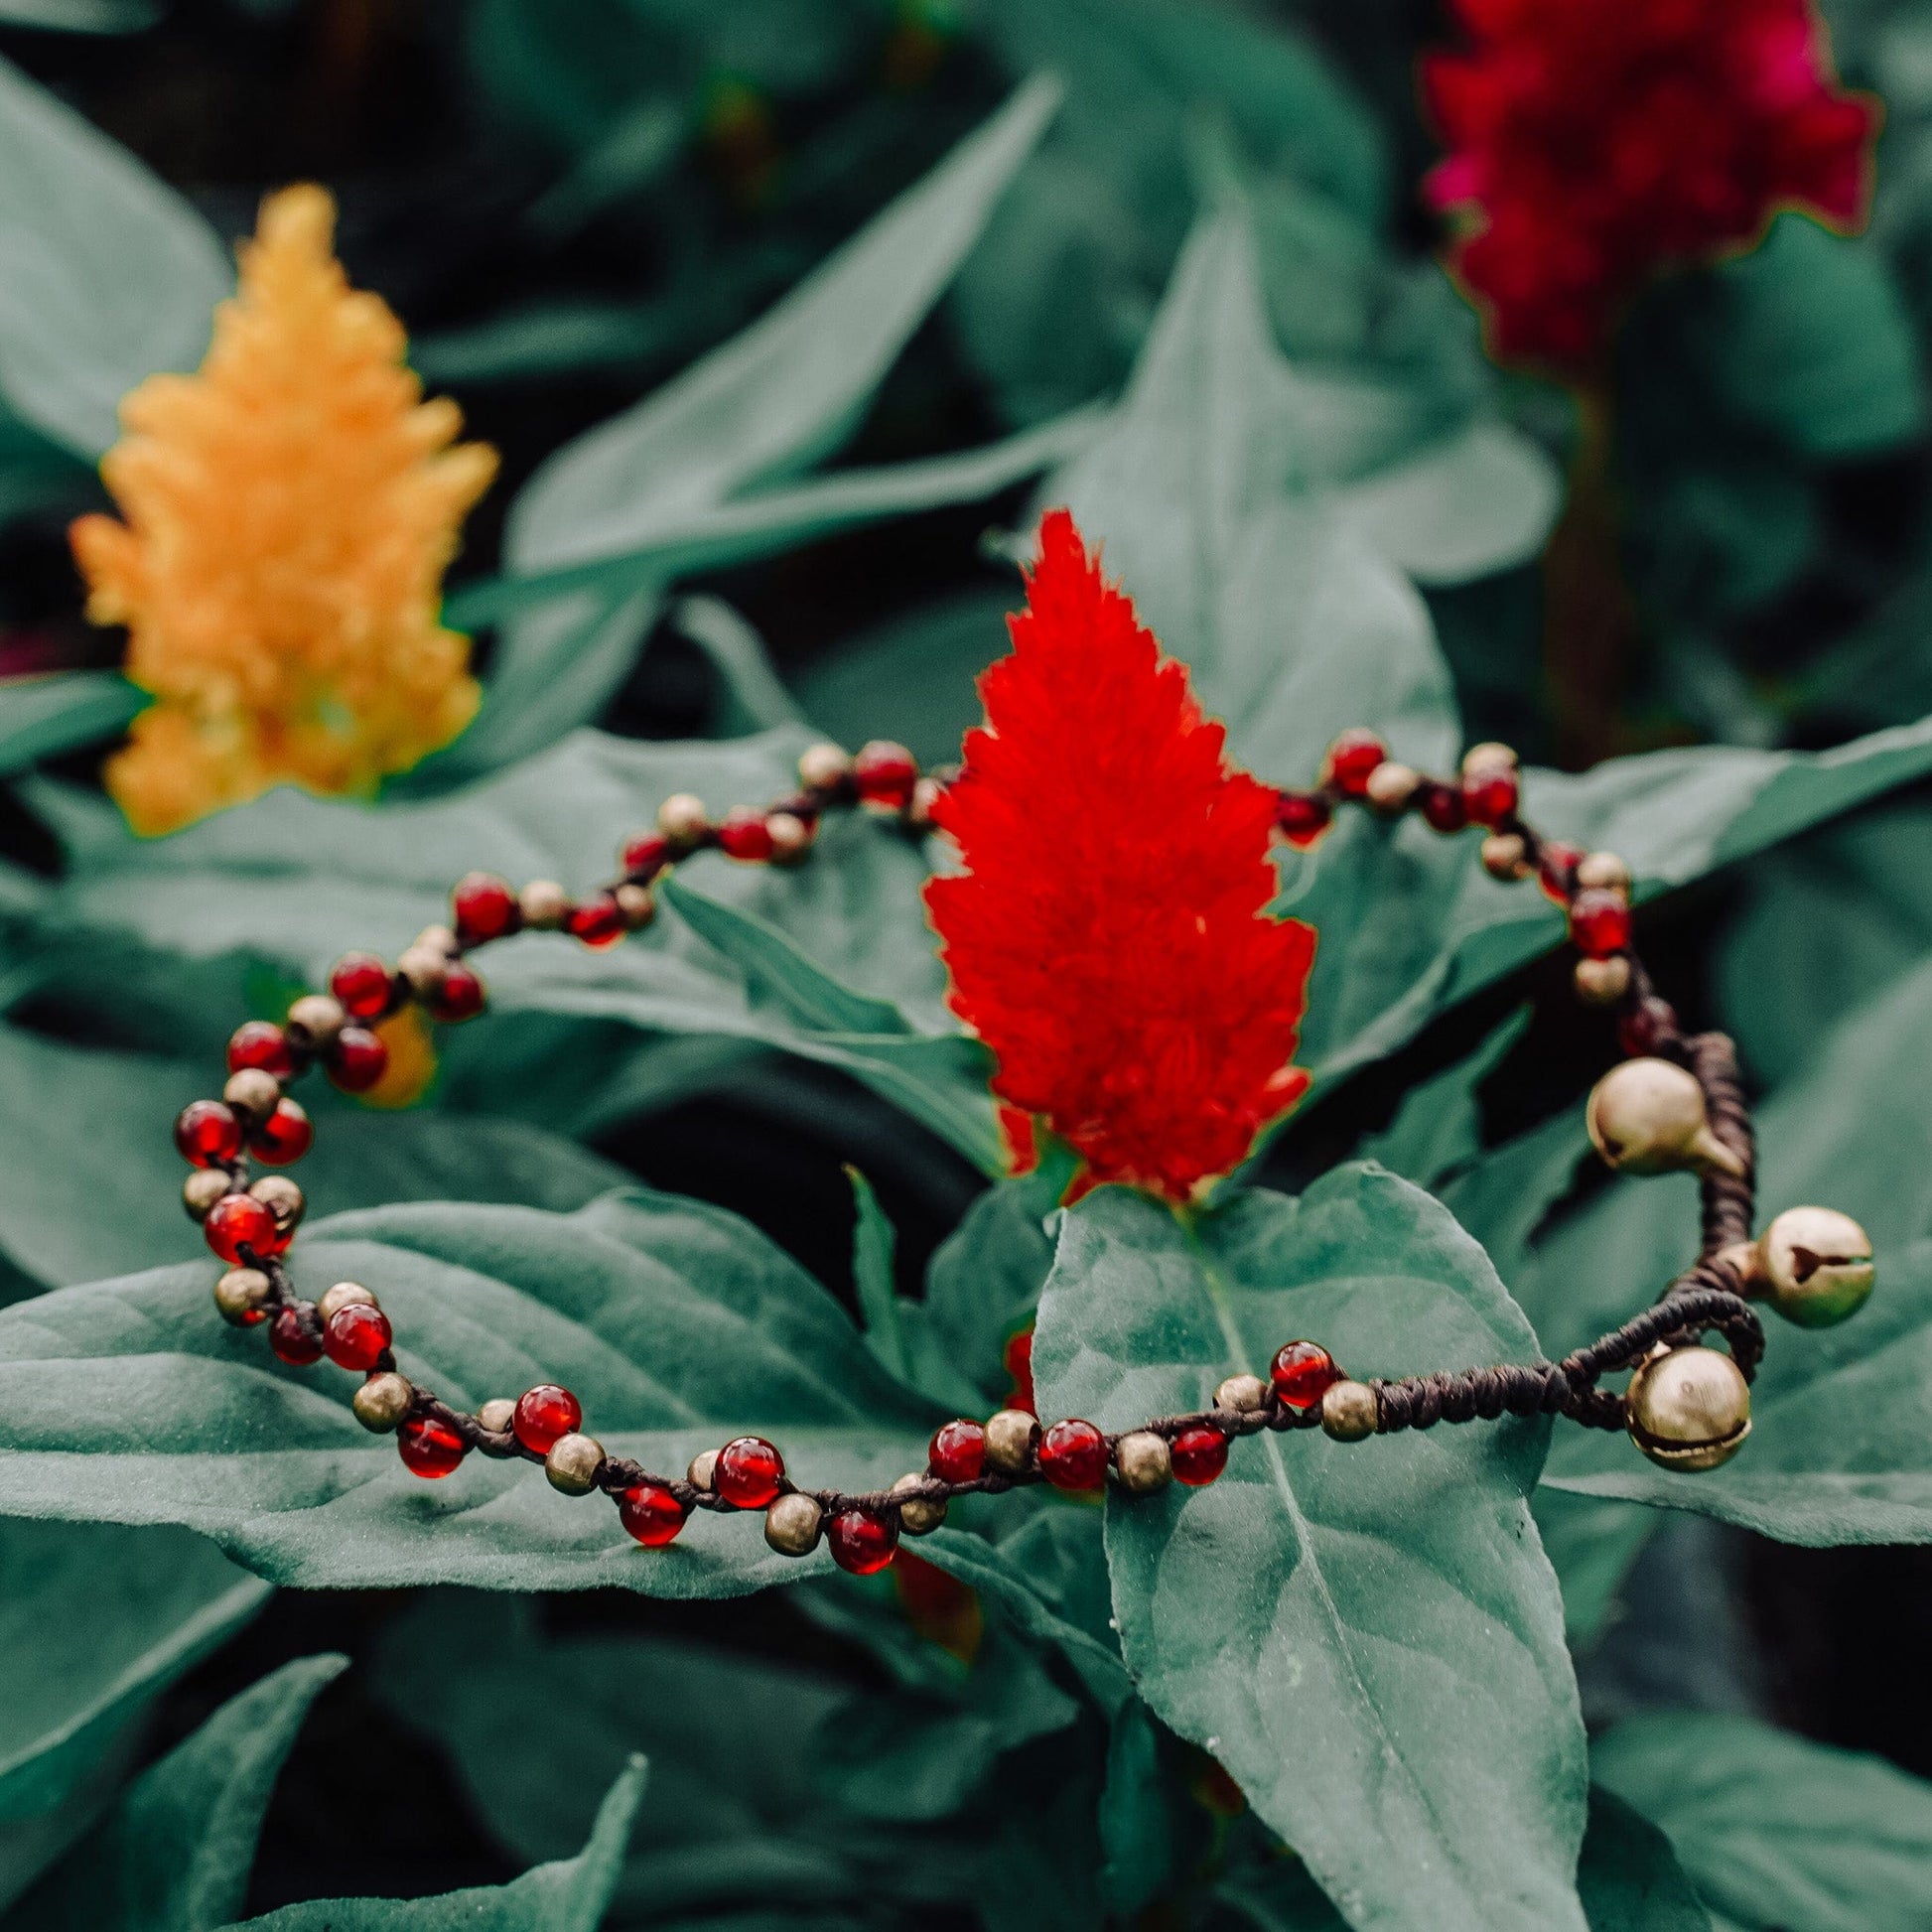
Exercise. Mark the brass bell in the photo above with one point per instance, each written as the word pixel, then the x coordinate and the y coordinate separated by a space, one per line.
pixel 1688 1407
pixel 1647 1116
pixel 1813 1266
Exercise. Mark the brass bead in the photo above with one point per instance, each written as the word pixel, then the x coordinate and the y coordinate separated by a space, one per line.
pixel 1489 757
pixel 791 836
pixel 918 1514
pixel 637 903
pixel 1142 1463
pixel 282 1197
pixel 544 904
pixel 317 1017
pixel 423 967
pixel 926 793
pixel 381 1401
pixel 241 1294
pixel 1647 1116
pixel 342 1296
pixel 1602 982
pixel 1009 1439
pixel 792 1524
pixel 1602 871
pixel 821 766
pixel 495 1414
pixel 1816 1266
pixel 698 1474
pixel 201 1189
pixel 1390 785
pixel 1688 1408
pixel 573 1463
pixel 1506 856
pixel 1243 1394
pixel 682 818
pixel 1349 1410
pixel 437 939
pixel 253 1092
pixel 1744 1257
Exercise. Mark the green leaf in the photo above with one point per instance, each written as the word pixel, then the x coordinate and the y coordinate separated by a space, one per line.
pixel 753 698
pixel 571 1896
pixel 1136 1826
pixel 677 1326
pixel 1437 1130
pixel 872 1245
pixel 97 1620
pixel 1388 1599
pixel 83 16
pixel 41 717
pixel 1775 1830
pixel 175 1853
pixel 109 275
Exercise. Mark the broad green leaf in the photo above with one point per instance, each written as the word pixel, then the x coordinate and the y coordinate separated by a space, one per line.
pixel 95 1621
pixel 1390 1599
pixel 677 1326
pixel 83 16
pixel 570 1895
pixel 1437 1130
pixel 109 275
pixel 753 699
pixel 1775 1830
pixel 873 1243
pixel 41 717
pixel 174 1856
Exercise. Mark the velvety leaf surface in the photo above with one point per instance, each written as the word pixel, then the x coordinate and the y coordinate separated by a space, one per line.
pixel 677 1326
pixel 1393 1603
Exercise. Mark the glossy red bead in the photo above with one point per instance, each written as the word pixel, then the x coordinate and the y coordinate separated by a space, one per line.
pixel 743 834
pixel 862 1543
pixel 208 1133
pixel 261 1043
pixel 458 994
pixel 357 1336
pixel 646 856
pixel 293 1336
pixel 360 983
pixel 1303 1373
pixel 1198 1455
pixel 651 1514
pixel 1073 1455
pixel 1599 923
pixel 543 1414
pixel 885 774
pixel 429 1449
pixel 1441 805
pixel 1352 759
pixel 1303 817
pixel 748 1472
pixel 239 1221
pixel 1556 869
pixel 1017 1359
pixel 958 1453
pixel 484 908
pixel 357 1059
pixel 1646 1026
pixel 286 1135
pixel 598 922
pixel 1490 797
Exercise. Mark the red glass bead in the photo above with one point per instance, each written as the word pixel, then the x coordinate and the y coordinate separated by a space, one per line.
pixel 357 1336
pixel 743 835
pixel 484 908
pixel 598 922
pixel 1352 759
pixel 208 1133
pixel 294 1338
pixel 239 1221
pixel 1599 923
pixel 1198 1455
pixel 1646 1026
pixel 1303 1373
pixel 543 1414
pixel 357 1060
pixel 860 1542
pixel 885 774
pixel 1019 1362
pixel 430 1449
pixel 286 1135
pixel 360 983
pixel 1303 817
pixel 748 1472
pixel 1490 797
pixel 958 1452
pixel 646 856
pixel 651 1514
pixel 1073 1455
pixel 1556 869
pixel 458 994
pixel 262 1043
pixel 1441 805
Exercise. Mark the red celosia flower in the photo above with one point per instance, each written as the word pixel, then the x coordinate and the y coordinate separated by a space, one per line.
pixel 1593 140
pixel 1109 938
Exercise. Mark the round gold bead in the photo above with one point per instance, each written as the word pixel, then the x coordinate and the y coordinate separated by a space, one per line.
pixel 1602 871
pixel 283 1198
pixel 381 1401
pixel 637 903
pixel 1647 1116
pixel 1390 785
pixel 791 836
pixel 1243 1394
pixel 698 1475
pixel 1141 1462
pixel 253 1092
pixel 792 1524
pixel 821 766
pixel 573 1463
pixel 201 1189
pixel 682 818
pixel 1349 1410
pixel 1815 1265
pixel 544 904
pixel 1601 981
pixel 918 1514
pixel 1688 1408
pixel 1506 856
pixel 344 1294
pixel 437 939
pixel 926 793
pixel 241 1294
pixel 1009 1439
pixel 496 1414
pixel 423 967
pixel 317 1017
pixel 1489 757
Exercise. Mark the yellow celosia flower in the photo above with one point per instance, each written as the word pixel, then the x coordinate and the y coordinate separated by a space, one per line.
pixel 290 511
